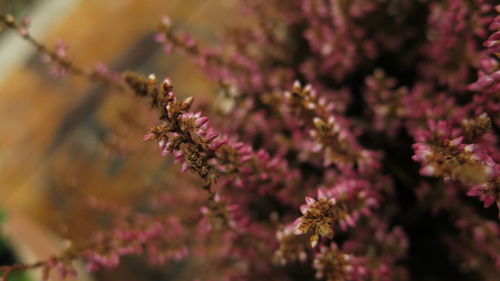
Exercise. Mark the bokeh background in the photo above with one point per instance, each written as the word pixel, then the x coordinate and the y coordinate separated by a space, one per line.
pixel 65 140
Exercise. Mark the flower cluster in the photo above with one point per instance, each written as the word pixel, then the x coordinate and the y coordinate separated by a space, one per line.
pixel 290 247
pixel 330 132
pixel 343 204
pixel 379 81
pixel 319 217
pixel 197 145
pixel 386 101
pixel 493 42
pixel 443 153
pixel 334 265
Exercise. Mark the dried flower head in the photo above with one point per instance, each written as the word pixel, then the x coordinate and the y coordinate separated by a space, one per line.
pixel 318 217
pixel 333 265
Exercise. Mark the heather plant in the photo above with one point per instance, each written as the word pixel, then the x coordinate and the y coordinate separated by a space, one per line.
pixel 349 140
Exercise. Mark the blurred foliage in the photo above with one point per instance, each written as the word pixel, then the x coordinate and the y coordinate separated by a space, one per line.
pixel 6 255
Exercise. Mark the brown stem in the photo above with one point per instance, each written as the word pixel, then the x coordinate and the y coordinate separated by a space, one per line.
pixel 8 21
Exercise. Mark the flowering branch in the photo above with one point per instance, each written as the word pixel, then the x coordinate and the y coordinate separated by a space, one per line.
pixel 58 57
pixel 343 204
pixel 194 143
pixel 133 234
pixel 348 141
pixel 330 131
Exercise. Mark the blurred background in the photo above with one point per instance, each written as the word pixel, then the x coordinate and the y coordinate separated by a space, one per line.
pixel 64 140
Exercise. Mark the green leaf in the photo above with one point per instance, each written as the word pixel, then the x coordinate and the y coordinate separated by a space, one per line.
pixel 19 276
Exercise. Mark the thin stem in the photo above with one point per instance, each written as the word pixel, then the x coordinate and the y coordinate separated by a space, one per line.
pixel 9 22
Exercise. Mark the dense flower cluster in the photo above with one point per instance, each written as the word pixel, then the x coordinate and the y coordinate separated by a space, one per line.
pixel 343 204
pixel 329 131
pixel 370 111
pixel 197 145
